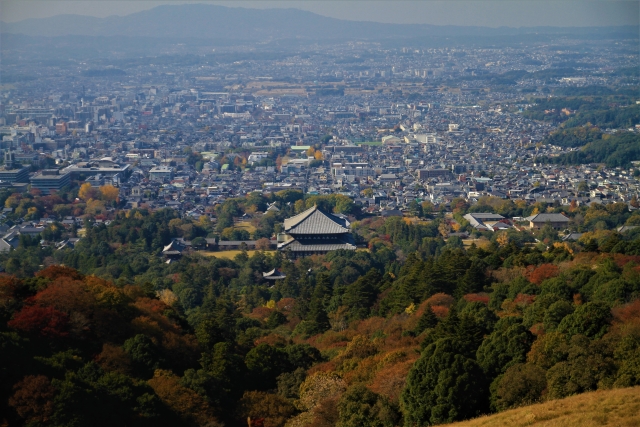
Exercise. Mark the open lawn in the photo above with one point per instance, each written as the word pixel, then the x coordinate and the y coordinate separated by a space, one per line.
pixel 245 225
pixel 618 407
pixel 227 254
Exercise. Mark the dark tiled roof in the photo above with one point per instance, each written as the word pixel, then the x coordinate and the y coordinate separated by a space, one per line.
pixel 551 217
pixel 315 221
pixel 320 244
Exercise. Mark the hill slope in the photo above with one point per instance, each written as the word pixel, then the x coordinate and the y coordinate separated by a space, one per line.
pixel 618 407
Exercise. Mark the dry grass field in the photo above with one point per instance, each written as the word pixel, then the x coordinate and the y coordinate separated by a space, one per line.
pixel 618 407
pixel 227 254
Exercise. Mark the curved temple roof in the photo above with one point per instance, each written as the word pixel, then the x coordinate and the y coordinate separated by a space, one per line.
pixel 315 221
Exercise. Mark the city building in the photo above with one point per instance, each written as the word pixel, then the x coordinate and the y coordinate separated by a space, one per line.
pixel 50 180
pixel 12 171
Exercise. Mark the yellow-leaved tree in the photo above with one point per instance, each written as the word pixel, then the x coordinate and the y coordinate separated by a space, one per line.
pixel 87 192
pixel 109 193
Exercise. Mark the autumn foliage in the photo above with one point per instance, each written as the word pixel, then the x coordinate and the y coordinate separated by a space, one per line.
pixel 539 274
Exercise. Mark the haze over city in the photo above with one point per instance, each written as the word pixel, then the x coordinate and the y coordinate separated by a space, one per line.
pixel 462 12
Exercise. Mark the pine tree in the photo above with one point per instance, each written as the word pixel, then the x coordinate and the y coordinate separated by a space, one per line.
pixel 428 320
pixel 443 386
pixel 320 298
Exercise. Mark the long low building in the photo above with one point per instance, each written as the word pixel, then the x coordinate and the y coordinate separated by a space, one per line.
pixel 106 169
pixel 50 180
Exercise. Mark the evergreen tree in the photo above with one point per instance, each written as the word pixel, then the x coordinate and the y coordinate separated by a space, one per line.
pixel 443 386
pixel 319 300
pixel 506 346
pixel 428 320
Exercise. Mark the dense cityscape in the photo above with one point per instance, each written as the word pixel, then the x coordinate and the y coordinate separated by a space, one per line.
pixel 302 233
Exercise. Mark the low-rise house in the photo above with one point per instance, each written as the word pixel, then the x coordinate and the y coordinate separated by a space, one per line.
pixel 555 220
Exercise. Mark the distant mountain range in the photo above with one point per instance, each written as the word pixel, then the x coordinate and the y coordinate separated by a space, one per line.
pixel 204 21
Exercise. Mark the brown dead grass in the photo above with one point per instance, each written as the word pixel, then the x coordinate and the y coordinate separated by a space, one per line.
pixel 619 407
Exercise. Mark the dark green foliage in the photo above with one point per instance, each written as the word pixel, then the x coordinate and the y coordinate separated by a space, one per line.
pixel 444 386
pixel 615 151
pixel 428 320
pixel 591 319
pixel 144 353
pixel 289 383
pixel 521 384
pixel 317 315
pixel 588 365
pixel 302 356
pixel 275 319
pixel 361 294
pixel 555 313
pixel 264 364
pixel 359 406
pixel 506 346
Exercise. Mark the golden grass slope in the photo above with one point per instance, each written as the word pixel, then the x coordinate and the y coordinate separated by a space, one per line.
pixel 618 407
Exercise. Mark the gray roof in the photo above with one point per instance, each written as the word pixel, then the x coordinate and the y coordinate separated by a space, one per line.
pixel 485 215
pixel 315 221
pixel 296 246
pixel 319 244
pixel 551 217
pixel 236 242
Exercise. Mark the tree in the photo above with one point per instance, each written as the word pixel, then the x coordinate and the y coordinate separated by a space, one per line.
pixel 183 401
pixel 263 244
pixel 143 352
pixel 507 345
pixel 317 307
pixel 274 409
pixel 359 406
pixel 361 294
pixel 319 387
pixel 521 384
pixel 109 193
pixel 555 313
pixel 428 320
pixel 443 386
pixel 289 383
pixel 199 242
pixel 302 355
pixel 265 363
pixel 33 399
pixel 46 321
pixel 591 319
pixel 275 319
pixel 87 192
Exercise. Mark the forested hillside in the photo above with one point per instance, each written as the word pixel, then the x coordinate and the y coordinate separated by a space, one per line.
pixel 417 329
pixel 599 122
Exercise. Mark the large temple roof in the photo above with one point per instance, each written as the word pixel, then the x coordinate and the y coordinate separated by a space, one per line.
pixel 315 221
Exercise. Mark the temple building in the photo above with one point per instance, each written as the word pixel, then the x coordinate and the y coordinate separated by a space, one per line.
pixel 315 232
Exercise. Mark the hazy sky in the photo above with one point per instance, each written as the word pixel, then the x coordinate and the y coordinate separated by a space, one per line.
pixel 494 13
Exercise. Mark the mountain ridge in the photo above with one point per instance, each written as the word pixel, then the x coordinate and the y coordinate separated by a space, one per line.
pixel 214 21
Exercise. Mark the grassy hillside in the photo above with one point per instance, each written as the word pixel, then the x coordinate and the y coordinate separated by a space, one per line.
pixel 618 407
